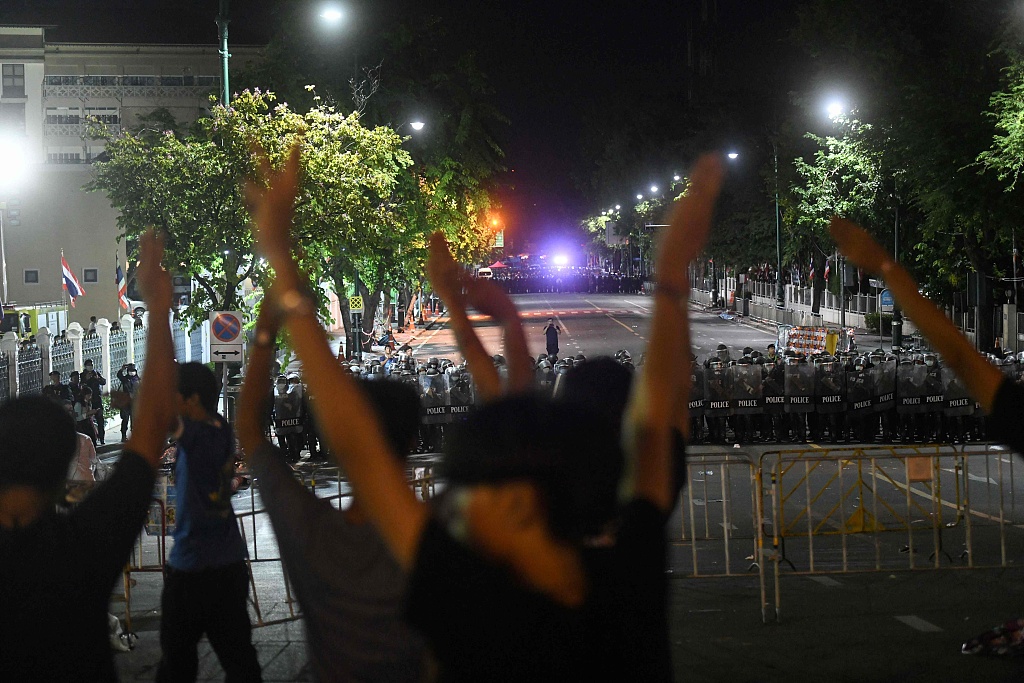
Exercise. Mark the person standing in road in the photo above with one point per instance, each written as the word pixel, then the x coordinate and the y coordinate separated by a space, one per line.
pixel 206 581
pixel 551 332
pixel 128 376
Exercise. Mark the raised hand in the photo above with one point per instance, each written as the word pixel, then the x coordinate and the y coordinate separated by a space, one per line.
pixel 272 201
pixel 442 269
pixel 155 282
pixel 688 231
pixel 858 245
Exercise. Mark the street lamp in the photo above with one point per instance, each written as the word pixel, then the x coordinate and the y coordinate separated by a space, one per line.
pixel 654 189
pixel 417 125
pixel 733 155
pixel 835 109
pixel 331 14
pixel 639 197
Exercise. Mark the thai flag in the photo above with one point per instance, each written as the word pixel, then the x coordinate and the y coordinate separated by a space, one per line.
pixel 828 267
pixel 71 284
pixel 122 288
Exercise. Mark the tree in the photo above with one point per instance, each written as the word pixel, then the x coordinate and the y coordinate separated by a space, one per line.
pixel 190 184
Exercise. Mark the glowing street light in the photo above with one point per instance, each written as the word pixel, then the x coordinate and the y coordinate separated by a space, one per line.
pixel 676 177
pixel 654 189
pixel 733 155
pixel 417 125
pixel 617 207
pixel 13 162
pixel 639 197
pixel 835 109
pixel 331 14
pixel 560 260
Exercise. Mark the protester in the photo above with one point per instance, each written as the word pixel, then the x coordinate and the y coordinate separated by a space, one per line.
pixel 551 332
pixel 206 581
pixel 128 377
pixel 57 571
pixel 84 413
pixel 349 585
pixel 57 391
pixel 95 381
pixel 82 470
pixel 997 394
pixel 500 584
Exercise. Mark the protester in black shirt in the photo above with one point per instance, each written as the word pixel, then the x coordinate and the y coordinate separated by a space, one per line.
pixel 996 393
pixel 57 571
pixel 57 391
pixel 507 559
pixel 95 382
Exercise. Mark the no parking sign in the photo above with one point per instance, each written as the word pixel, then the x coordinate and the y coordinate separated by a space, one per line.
pixel 226 341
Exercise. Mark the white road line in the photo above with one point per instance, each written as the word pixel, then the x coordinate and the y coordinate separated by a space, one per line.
pixel 825 581
pixel 916 622
pixel 645 309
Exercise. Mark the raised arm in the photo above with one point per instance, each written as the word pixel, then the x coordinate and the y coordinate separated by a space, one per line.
pixel 490 299
pixel 981 377
pixel 154 411
pixel 347 422
pixel 252 404
pixel 659 396
pixel 444 275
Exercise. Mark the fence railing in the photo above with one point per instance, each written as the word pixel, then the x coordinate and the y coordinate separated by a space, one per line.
pixel 92 349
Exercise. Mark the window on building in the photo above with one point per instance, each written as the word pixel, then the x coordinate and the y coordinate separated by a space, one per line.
pixel 99 80
pixel 31 277
pixel 140 80
pixel 108 115
pixel 90 275
pixel 207 80
pixel 60 80
pixel 13 80
pixel 12 117
pixel 172 80
pixel 63 115
pixel 63 157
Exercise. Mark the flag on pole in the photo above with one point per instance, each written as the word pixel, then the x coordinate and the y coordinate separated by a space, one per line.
pixel 828 267
pixel 122 287
pixel 71 284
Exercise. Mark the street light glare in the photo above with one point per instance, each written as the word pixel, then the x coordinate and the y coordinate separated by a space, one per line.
pixel 14 162
pixel 654 188
pixel 733 155
pixel 560 260
pixel 331 15
pixel 417 125
pixel 835 109
pixel 676 177
pixel 617 207
pixel 639 196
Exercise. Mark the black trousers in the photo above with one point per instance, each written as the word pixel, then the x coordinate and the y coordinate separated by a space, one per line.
pixel 211 601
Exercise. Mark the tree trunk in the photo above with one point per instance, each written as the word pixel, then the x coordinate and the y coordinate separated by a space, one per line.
pixel 370 302
pixel 340 290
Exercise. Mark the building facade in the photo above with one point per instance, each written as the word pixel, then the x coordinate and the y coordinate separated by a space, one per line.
pixel 47 94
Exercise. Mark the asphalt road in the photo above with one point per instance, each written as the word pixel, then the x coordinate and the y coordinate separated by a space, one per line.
pixel 596 324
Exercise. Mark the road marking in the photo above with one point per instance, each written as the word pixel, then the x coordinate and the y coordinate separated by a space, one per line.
pixel 825 581
pixel 916 622
pixel 609 316
pixel 642 308
pixel 431 335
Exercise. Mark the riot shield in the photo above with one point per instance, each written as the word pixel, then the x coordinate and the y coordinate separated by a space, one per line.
pixel 830 388
pixel 696 402
pixel 773 390
pixel 934 401
pixel 435 401
pixel 745 389
pixel 883 377
pixel 716 392
pixel 910 388
pixel 799 388
pixel 462 395
pixel 860 388
pixel 956 401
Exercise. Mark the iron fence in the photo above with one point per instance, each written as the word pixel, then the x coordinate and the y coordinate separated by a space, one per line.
pixel 139 340
pixel 118 350
pixel 30 371
pixel 5 378
pixel 196 341
pixel 92 349
pixel 62 355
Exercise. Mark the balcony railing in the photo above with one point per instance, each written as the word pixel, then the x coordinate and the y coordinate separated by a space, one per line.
pixel 72 130
pixel 120 87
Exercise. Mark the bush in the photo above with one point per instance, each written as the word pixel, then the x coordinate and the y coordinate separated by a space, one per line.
pixel 871 320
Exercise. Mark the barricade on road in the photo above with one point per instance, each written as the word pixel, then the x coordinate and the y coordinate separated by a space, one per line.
pixel 882 509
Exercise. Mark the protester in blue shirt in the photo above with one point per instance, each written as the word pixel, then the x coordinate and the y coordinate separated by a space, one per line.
pixel 206 581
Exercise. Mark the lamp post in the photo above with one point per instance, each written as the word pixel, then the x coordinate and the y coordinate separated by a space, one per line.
pixel 222 27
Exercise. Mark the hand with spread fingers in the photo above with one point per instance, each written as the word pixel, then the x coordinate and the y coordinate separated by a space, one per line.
pixel 688 231
pixel 155 282
pixel 858 245
pixel 272 201
pixel 442 269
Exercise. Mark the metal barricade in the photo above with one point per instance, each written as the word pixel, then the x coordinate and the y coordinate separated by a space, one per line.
pixel 721 538
pixel 882 509
pixel 62 357
pixel 30 372
pixel 92 349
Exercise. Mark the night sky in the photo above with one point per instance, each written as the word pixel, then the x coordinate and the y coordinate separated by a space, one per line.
pixel 555 66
